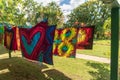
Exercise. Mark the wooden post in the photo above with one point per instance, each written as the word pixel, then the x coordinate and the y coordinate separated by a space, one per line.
pixel 115 25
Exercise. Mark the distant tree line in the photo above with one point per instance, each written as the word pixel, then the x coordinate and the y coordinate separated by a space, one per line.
pixel 92 12
pixel 18 12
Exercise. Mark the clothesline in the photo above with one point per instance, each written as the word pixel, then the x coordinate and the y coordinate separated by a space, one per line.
pixel 42 41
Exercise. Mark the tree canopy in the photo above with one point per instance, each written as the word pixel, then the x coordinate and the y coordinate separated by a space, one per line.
pixel 18 12
pixel 92 12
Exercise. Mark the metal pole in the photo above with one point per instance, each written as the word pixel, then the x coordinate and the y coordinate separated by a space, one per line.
pixel 115 25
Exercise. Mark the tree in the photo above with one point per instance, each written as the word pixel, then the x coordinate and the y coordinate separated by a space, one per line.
pixel 107 28
pixel 92 12
pixel 18 12
pixel 53 13
pixel 30 8
pixel 7 10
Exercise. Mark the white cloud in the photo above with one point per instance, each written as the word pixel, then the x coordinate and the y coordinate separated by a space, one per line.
pixel 75 3
pixel 66 8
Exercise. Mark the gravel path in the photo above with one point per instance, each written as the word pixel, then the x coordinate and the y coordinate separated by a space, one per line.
pixel 93 58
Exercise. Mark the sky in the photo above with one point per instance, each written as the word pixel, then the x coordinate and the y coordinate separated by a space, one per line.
pixel 66 5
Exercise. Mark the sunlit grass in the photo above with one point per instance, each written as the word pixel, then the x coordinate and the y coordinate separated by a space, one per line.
pixel 101 48
pixel 4 71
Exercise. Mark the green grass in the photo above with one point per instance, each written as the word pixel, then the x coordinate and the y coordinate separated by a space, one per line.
pixel 3 50
pixel 108 42
pixel 101 48
pixel 18 68
pixel 119 60
pixel 79 69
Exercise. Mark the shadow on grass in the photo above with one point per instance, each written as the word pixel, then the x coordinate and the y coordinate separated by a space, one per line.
pixel 3 50
pixel 21 69
pixel 56 75
pixel 101 72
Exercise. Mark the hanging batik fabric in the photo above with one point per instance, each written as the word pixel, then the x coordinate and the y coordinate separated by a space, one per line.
pixel 1 33
pixel 8 38
pixel 47 54
pixel 18 38
pixel 36 42
pixel 65 42
pixel 10 41
pixel 85 38
pixel 31 41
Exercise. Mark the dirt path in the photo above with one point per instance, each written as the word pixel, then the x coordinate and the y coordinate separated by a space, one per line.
pixel 93 58
pixel 81 56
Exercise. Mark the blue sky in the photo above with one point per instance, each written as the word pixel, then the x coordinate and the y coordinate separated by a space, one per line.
pixel 66 5
pixel 65 2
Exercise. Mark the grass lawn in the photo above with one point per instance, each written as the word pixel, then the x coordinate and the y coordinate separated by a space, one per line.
pixel 119 59
pixel 18 68
pixel 101 48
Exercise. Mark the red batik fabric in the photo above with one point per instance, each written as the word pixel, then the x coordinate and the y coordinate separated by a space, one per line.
pixel 18 38
pixel 47 54
pixel 37 42
pixel 65 42
pixel 85 37
pixel 32 41
pixel 10 41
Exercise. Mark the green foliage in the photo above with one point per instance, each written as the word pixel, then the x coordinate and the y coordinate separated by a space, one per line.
pixel 92 12
pixel 53 13
pixel 30 8
pixel 107 28
pixel 10 12
pixel 18 12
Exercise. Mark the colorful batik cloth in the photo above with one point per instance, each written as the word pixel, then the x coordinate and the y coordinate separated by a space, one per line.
pixel 36 42
pixel 47 54
pixel 85 38
pixel 18 38
pixel 32 41
pixel 10 41
pixel 65 42
pixel 1 33
pixel 8 37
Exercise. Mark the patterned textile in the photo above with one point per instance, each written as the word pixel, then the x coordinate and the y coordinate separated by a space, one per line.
pixel 47 54
pixel 8 38
pixel 10 41
pixel 65 42
pixel 31 41
pixel 85 38
pixel 18 38
pixel 1 33
pixel 36 42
